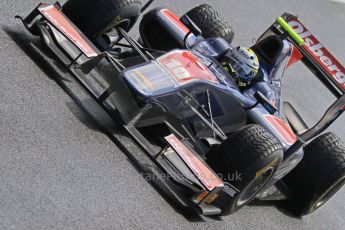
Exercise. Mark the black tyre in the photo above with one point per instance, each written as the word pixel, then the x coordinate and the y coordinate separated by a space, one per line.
pixel 210 23
pixel 319 175
pixel 247 160
pixel 95 17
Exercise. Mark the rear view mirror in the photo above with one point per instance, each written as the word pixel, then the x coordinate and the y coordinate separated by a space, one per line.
pixel 265 102
pixel 193 29
pixel 191 25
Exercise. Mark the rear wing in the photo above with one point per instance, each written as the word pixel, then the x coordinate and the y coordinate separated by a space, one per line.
pixel 324 66
pixel 319 59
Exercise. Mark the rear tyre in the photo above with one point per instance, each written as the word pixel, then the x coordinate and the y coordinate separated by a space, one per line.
pixel 95 17
pixel 247 160
pixel 210 23
pixel 319 175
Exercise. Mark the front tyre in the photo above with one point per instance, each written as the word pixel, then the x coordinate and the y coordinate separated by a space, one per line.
pixel 319 175
pixel 210 23
pixel 247 160
pixel 95 17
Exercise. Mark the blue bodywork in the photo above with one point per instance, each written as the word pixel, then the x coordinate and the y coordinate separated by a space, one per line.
pixel 229 104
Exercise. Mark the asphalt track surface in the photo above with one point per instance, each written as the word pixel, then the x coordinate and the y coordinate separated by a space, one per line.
pixel 63 163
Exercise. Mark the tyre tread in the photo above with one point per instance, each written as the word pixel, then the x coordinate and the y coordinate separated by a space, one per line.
pixel 307 182
pixel 210 22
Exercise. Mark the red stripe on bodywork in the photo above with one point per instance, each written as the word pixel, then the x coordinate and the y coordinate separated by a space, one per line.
pixel 189 63
pixel 208 178
pixel 295 56
pixel 175 20
pixel 282 129
pixel 320 54
pixel 61 22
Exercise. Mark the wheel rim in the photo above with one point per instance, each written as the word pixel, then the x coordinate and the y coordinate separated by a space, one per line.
pixel 124 24
pixel 255 187
pixel 329 193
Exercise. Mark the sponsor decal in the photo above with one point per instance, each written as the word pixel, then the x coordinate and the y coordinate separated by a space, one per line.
pixel 263 170
pixel 208 178
pixel 185 67
pixel 202 196
pixel 140 78
pixel 282 129
pixel 329 63
pixel 175 20
pixel 61 22
pixel 211 198
pixel 230 190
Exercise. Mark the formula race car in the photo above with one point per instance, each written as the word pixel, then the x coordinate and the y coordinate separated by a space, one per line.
pixel 209 115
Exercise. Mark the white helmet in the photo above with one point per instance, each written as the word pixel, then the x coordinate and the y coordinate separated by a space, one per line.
pixel 243 62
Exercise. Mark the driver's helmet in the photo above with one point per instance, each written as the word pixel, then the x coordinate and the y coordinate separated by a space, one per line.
pixel 242 63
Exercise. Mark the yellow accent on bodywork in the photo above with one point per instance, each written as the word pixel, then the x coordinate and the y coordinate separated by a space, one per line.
pixel 145 80
pixel 290 31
